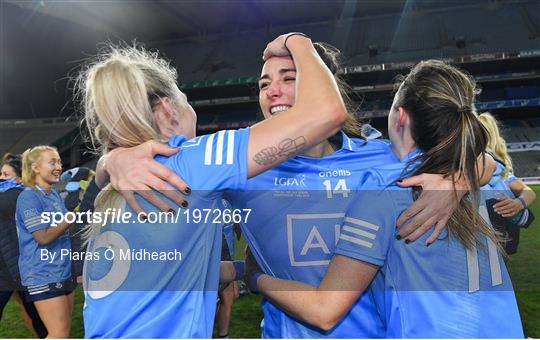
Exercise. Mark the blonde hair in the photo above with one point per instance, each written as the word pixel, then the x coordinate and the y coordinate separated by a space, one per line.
pixel 496 144
pixel 29 158
pixel 117 92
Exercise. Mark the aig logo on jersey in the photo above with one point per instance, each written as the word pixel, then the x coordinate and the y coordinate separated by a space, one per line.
pixel 311 238
pixel 299 181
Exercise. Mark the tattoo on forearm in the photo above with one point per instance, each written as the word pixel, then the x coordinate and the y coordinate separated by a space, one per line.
pixel 289 147
pixel 286 148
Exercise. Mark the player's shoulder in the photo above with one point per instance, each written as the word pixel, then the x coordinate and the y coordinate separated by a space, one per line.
pixel 11 193
pixel 28 194
pixel 382 145
pixel 56 194
pixel 215 149
pixel 387 174
pixel 211 161
pixel 373 152
pixel 496 179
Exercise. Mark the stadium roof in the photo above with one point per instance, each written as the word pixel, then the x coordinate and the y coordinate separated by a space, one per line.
pixel 42 41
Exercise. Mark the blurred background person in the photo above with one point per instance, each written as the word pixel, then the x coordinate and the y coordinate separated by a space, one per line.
pixel 74 184
pixel 508 211
pixel 10 280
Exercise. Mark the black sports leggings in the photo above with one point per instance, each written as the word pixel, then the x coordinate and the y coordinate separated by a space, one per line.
pixel 37 324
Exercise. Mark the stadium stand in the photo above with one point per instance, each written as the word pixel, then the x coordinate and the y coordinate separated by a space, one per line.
pixel 217 51
pixel 17 135
pixel 218 69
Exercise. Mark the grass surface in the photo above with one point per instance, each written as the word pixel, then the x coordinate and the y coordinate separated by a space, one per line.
pixel 524 269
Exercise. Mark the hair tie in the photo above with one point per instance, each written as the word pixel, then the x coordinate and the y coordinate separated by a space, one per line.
pixel 290 35
pixel 464 109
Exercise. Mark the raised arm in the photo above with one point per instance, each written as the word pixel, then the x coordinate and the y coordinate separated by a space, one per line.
pixel 317 114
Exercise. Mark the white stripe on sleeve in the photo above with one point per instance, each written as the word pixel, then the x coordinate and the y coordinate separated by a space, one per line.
pixel 219 148
pixel 208 150
pixel 362 223
pixel 230 146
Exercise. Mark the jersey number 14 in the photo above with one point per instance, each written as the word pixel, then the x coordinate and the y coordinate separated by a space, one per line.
pixel 339 189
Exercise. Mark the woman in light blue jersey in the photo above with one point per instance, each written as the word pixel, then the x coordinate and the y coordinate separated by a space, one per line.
pixel 457 286
pixel 338 162
pixel 130 96
pixel 44 244
pixel 277 93
pixel 511 206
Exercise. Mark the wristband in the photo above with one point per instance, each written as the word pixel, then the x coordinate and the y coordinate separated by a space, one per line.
pixel 253 282
pixel 290 35
pixel 239 270
pixel 522 202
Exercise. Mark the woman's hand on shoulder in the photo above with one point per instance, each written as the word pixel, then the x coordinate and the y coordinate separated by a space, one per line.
pixel 434 207
pixel 134 170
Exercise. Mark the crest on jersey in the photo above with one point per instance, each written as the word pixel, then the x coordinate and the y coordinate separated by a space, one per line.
pixel 311 238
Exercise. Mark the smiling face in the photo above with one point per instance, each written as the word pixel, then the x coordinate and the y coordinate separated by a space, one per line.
pixel 48 168
pixel 277 86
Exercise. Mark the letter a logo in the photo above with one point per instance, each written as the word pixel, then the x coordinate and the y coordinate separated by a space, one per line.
pixel 314 235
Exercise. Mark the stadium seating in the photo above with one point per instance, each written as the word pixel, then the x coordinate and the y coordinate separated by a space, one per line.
pixel 17 137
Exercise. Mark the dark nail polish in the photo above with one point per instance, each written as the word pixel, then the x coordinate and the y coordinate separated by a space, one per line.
pixel 171 210
pixel 188 191
pixel 184 204
pixel 407 241
pixel 399 181
pixel 144 217
pixel 427 245
pixel 398 237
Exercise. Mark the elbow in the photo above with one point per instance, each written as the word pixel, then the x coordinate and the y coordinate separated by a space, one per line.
pixel 327 323
pixel 327 318
pixel 42 242
pixel 337 117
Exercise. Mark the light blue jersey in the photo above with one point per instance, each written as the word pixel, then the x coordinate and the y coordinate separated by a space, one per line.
pixel 443 290
pixel 510 178
pixel 228 231
pixel 174 296
pixel 297 209
pixel 498 187
pixel 37 264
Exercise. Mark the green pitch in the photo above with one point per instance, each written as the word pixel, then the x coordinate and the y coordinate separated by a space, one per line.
pixel 524 269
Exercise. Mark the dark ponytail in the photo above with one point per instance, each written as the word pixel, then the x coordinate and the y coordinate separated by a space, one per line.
pixel 439 99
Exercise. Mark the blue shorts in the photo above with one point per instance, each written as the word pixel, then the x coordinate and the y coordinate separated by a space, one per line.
pixel 50 290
